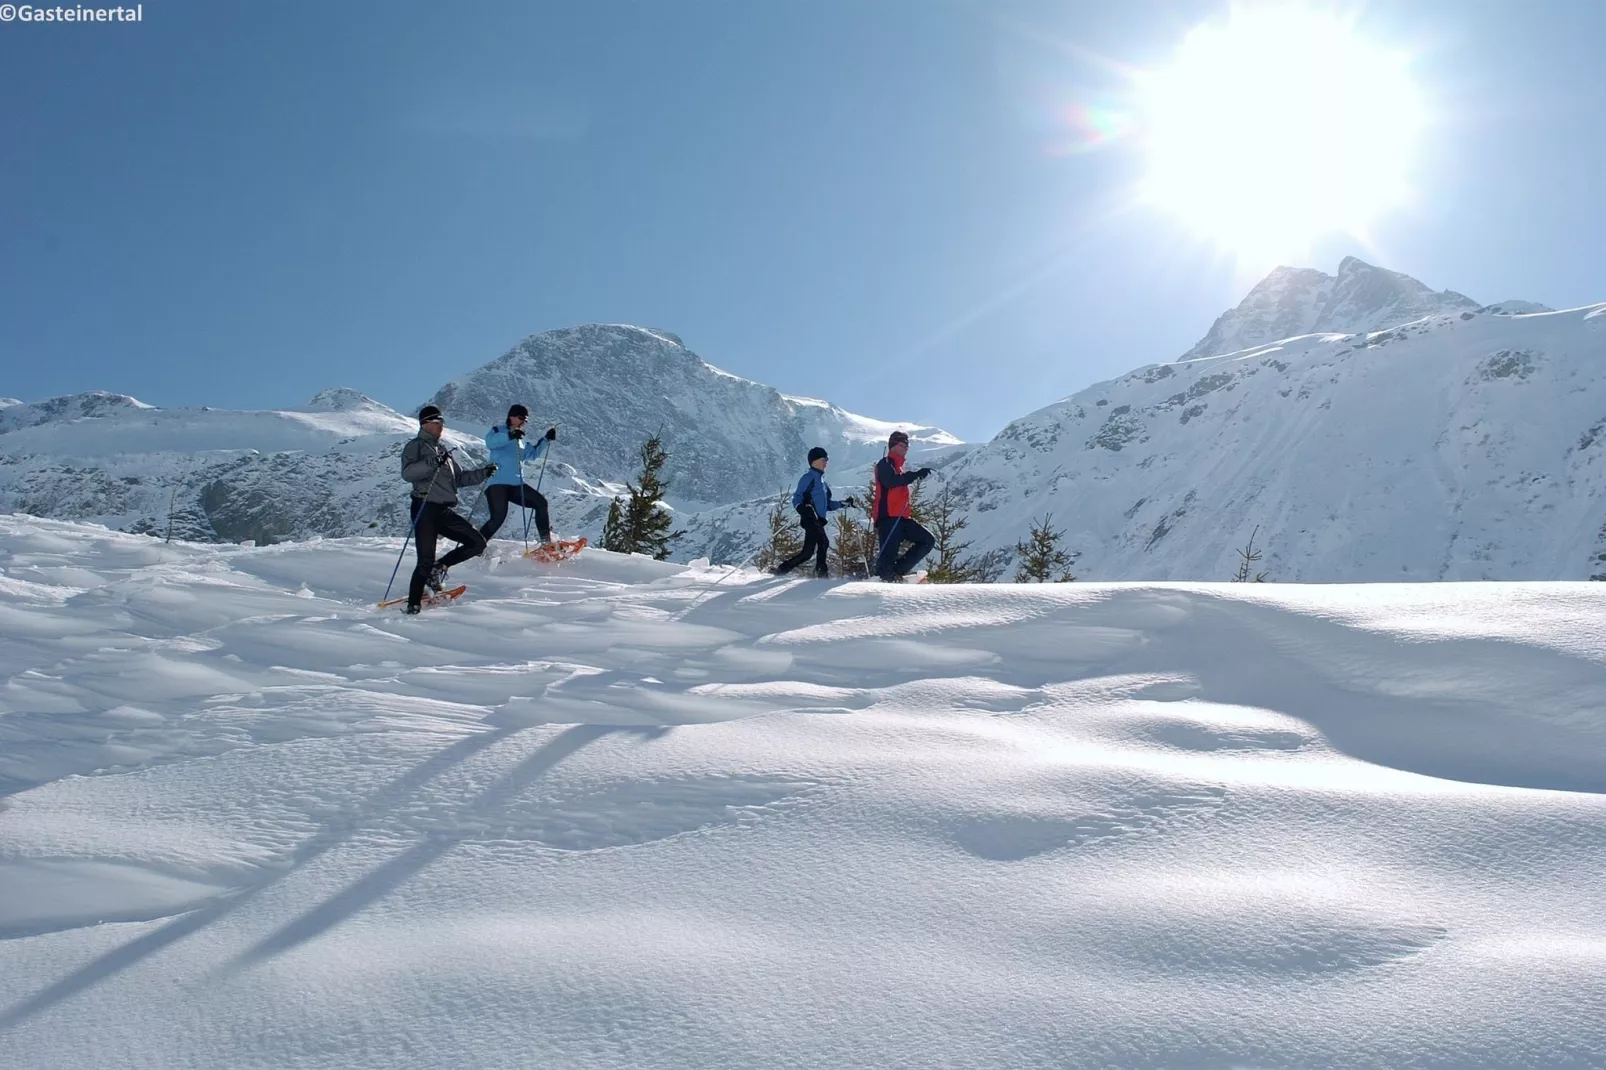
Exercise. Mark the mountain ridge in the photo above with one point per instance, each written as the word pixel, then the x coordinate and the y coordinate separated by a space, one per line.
pixel 1157 474
pixel 1290 302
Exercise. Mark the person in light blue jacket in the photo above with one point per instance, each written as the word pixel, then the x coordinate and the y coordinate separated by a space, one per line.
pixel 509 450
pixel 812 500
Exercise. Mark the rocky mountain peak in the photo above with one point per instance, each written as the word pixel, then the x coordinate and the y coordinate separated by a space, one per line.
pixel 1290 302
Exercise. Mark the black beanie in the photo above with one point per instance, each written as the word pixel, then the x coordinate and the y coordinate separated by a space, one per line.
pixel 897 437
pixel 818 454
pixel 428 413
pixel 518 410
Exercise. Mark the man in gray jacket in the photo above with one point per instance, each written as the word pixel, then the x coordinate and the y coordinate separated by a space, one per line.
pixel 435 476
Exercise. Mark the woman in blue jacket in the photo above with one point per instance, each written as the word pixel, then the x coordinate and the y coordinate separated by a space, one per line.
pixel 812 500
pixel 509 450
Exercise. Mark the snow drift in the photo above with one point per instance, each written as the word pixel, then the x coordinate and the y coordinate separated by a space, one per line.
pixel 622 812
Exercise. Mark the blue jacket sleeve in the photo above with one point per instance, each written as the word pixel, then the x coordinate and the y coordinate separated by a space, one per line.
pixel 823 502
pixel 532 452
pixel 803 490
pixel 496 438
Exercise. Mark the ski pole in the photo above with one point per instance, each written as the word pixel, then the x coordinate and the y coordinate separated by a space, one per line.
pixel 526 506
pixel 403 554
pixel 546 455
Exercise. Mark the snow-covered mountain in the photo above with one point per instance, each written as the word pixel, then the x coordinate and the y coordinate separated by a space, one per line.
pixel 326 468
pixel 1297 301
pixel 329 468
pixel 607 386
pixel 1459 444
pixel 1515 308
pixel 1463 445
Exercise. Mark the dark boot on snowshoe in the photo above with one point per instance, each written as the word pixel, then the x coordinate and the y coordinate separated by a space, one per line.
pixel 437 579
pixel 412 608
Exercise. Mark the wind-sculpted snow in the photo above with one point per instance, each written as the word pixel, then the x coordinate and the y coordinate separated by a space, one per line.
pixel 619 813
pixel 1460 446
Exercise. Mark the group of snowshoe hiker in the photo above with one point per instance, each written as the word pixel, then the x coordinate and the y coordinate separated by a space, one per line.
pixel 425 460
pixel 436 477
pixel 889 508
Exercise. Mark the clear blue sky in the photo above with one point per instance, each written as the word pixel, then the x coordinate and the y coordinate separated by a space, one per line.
pixel 239 204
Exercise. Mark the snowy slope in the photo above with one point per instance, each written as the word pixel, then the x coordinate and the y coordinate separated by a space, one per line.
pixel 608 386
pixel 1464 446
pixel 1299 301
pixel 627 814
pixel 1516 308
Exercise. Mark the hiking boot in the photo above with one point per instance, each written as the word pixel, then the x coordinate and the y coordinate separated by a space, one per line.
pixel 412 609
pixel 437 579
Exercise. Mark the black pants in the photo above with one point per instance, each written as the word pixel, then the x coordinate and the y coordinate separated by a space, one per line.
pixel 497 497
pixel 438 520
pixel 891 534
pixel 815 542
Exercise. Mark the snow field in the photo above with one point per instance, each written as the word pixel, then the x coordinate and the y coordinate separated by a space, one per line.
pixel 623 813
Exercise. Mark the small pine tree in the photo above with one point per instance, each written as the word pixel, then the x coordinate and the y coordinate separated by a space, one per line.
pixel 640 524
pixel 1249 555
pixel 946 524
pixel 852 546
pixel 784 537
pixel 917 505
pixel 872 547
pixel 613 530
pixel 1042 560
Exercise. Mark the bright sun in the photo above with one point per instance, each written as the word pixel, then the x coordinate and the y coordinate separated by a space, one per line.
pixel 1277 126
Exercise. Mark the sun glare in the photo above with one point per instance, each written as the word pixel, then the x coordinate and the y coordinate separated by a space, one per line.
pixel 1276 126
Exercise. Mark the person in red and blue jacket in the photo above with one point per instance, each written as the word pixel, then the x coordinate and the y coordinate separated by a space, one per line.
pixel 890 510
pixel 812 500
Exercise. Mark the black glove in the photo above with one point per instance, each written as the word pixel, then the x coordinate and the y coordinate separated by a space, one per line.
pixel 490 470
pixel 851 503
pixel 552 434
pixel 923 473
pixel 514 433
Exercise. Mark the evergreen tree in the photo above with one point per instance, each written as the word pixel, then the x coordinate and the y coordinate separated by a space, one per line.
pixel 853 546
pixel 784 537
pixel 945 523
pixel 613 530
pixel 641 523
pixel 1042 560
pixel 1249 555
pixel 917 505
pixel 872 537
